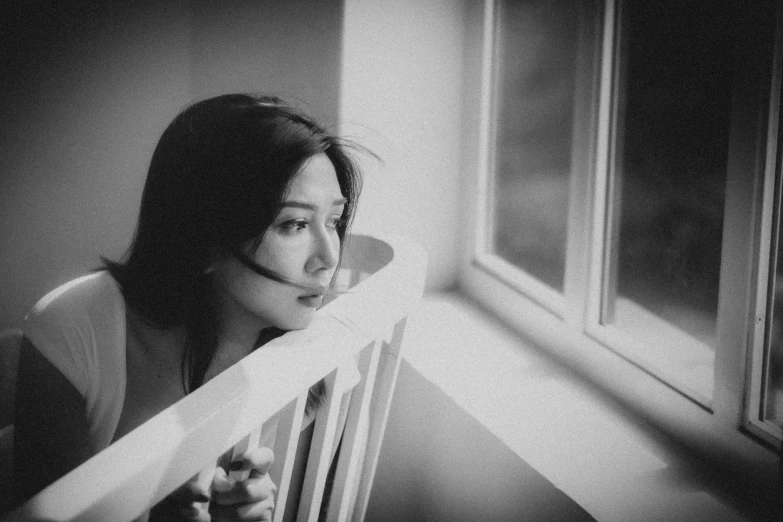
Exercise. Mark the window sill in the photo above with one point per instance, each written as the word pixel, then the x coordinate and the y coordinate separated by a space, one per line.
pixel 614 464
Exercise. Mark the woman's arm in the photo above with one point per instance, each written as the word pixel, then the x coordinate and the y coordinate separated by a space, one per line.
pixel 51 433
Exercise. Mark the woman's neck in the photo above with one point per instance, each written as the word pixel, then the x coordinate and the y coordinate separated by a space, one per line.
pixel 230 350
pixel 236 326
pixel 162 344
pixel 237 334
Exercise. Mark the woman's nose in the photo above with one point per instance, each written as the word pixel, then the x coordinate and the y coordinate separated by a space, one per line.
pixel 326 252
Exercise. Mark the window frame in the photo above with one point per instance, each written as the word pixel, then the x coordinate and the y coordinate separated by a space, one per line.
pixel 494 265
pixel 771 207
pixel 568 324
pixel 605 230
pixel 560 304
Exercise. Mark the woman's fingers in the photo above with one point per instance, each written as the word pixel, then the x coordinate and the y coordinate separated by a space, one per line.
pixel 255 511
pixel 258 461
pixel 221 483
pixel 227 491
pixel 247 492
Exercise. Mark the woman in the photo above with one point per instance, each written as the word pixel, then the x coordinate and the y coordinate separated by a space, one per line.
pixel 240 230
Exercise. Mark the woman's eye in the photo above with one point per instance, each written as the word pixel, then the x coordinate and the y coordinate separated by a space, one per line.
pixel 298 225
pixel 294 226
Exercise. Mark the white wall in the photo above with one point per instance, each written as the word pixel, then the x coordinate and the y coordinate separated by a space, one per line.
pixel 86 90
pixel 285 47
pixel 88 87
pixel 401 97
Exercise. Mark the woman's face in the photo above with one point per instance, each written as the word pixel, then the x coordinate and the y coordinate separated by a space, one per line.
pixel 301 245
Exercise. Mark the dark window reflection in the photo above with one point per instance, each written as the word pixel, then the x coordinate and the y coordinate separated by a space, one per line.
pixel 672 152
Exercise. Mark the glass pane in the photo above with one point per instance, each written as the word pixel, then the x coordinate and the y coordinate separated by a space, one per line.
pixel 537 88
pixel 773 403
pixel 670 165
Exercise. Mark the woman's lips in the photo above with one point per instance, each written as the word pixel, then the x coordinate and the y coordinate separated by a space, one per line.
pixel 311 301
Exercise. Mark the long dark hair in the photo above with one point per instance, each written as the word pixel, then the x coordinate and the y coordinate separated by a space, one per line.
pixel 216 182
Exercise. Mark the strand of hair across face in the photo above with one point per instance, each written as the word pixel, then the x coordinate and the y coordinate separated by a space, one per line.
pixel 332 289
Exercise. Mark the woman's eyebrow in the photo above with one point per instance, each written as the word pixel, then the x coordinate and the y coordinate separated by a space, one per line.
pixel 309 206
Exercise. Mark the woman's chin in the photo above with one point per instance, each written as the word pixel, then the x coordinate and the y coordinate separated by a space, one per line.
pixel 296 322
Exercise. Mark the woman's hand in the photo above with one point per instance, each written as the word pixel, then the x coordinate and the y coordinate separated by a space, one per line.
pixel 251 498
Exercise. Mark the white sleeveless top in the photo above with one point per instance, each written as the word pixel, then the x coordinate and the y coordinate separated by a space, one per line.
pixel 80 328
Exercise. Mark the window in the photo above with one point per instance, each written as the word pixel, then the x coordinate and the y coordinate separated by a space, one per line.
pixel 765 404
pixel 627 163
pixel 667 167
pixel 537 80
pixel 545 76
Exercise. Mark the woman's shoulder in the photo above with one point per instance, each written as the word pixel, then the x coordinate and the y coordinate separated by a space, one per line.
pixel 89 305
pixel 94 290
pixel 80 328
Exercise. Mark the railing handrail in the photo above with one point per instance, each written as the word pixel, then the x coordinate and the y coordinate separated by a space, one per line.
pixel 147 464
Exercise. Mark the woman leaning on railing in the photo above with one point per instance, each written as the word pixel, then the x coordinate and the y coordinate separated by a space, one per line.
pixel 240 233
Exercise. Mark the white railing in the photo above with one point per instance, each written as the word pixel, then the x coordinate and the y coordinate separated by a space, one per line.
pixel 262 398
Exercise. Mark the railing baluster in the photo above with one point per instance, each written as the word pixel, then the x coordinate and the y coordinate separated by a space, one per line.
pixel 286 441
pixel 321 446
pixel 388 367
pixel 249 442
pixel 355 437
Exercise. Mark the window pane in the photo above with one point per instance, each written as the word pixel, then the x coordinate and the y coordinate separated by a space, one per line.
pixel 670 168
pixel 773 393
pixel 538 44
